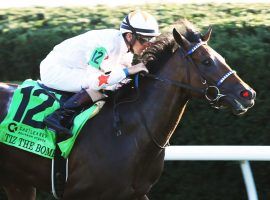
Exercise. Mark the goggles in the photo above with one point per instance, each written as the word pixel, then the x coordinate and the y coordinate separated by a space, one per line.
pixel 144 39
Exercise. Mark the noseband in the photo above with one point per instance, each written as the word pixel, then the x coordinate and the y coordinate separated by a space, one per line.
pixel 209 90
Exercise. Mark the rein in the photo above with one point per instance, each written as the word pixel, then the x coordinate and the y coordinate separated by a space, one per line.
pixel 176 83
pixel 206 91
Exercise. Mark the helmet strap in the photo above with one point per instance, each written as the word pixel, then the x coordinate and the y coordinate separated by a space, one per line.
pixel 130 43
pixel 134 36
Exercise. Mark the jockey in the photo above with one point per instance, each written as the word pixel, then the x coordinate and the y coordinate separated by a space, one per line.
pixel 95 60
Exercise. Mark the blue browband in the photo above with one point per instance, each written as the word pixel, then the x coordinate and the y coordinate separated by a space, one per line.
pixel 223 78
pixel 191 51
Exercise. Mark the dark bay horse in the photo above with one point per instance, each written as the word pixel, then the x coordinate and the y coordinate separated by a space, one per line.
pixel 104 166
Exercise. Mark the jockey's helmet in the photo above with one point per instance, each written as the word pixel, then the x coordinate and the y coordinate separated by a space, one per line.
pixel 141 23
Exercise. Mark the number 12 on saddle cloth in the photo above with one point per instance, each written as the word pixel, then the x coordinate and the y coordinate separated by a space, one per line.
pixel 23 126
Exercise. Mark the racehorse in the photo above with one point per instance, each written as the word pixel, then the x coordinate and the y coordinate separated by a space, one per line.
pixel 106 166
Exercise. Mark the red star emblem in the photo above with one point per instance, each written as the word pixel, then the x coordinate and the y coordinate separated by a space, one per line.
pixel 103 79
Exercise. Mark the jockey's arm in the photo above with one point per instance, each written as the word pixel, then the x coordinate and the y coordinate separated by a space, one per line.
pixel 100 80
pixel 110 63
pixel 134 69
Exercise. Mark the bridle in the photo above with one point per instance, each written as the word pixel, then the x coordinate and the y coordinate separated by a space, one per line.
pixel 208 90
pixel 213 88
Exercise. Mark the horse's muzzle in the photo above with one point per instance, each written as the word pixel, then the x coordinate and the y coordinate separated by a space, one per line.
pixel 239 104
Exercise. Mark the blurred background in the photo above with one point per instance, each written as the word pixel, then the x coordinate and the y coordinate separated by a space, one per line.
pixel 241 34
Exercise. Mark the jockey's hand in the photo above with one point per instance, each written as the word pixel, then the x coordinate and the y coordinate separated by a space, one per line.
pixel 137 68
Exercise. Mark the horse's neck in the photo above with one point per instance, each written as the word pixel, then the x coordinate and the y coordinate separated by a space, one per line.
pixel 163 104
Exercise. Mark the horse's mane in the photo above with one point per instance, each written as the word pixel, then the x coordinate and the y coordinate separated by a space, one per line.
pixel 165 45
pixel 158 53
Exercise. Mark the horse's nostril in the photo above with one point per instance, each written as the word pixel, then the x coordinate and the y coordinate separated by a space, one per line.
pixel 247 94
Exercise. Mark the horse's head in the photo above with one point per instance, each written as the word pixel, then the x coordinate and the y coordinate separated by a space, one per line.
pixel 210 72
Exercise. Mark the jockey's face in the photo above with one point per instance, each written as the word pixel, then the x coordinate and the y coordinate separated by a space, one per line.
pixel 138 48
pixel 140 43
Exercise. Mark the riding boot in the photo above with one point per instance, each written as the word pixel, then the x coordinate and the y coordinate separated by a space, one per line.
pixel 62 119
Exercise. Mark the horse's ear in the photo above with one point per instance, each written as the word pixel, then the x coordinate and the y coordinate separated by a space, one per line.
pixel 207 35
pixel 181 40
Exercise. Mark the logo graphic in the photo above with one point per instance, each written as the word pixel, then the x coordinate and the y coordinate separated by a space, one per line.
pixel 12 127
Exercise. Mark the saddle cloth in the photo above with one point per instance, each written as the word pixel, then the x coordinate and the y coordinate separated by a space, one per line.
pixel 23 126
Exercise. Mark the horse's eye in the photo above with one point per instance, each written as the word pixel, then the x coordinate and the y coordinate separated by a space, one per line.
pixel 207 62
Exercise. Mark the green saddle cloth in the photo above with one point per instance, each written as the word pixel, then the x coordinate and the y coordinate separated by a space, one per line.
pixel 23 126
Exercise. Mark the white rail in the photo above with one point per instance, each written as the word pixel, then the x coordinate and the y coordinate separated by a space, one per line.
pixel 244 154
